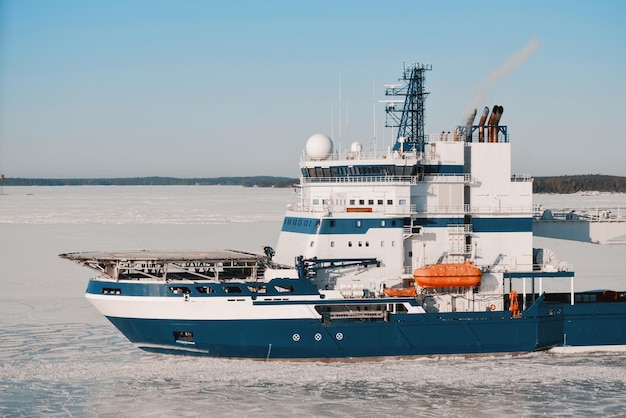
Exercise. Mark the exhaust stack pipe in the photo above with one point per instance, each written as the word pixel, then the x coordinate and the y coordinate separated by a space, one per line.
pixel 493 123
pixel 481 125
pixel 499 115
pixel 466 130
pixel 471 117
pixel 457 132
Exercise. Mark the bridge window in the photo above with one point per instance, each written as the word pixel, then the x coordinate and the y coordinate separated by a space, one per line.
pixel 205 289
pixel 232 289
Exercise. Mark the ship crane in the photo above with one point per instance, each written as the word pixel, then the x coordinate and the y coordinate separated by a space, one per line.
pixel 308 267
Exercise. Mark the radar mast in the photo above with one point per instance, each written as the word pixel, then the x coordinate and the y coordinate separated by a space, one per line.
pixel 410 118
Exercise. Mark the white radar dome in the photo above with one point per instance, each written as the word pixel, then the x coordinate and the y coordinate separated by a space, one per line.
pixel 319 147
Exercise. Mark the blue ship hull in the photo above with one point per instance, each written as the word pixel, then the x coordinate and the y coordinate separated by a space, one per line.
pixel 543 325
pixel 414 335
pixel 594 324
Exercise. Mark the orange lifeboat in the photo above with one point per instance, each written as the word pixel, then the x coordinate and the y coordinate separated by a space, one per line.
pixel 448 275
pixel 405 291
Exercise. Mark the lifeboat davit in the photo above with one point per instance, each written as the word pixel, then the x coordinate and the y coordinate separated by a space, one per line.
pixel 448 275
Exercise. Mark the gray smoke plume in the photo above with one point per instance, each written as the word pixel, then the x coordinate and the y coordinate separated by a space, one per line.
pixel 502 71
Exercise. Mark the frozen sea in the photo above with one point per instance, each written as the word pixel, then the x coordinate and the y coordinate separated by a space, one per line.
pixel 59 357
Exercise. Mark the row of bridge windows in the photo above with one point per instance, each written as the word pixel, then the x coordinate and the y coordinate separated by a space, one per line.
pixel 359 170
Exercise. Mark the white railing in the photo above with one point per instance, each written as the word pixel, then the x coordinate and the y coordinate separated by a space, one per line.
pixel 366 156
pixel 505 209
pixel 457 210
pixel 361 179
pixel 521 177
pixel 412 180
pixel 613 214
pixel 436 209
pixel 448 178
pixel 385 209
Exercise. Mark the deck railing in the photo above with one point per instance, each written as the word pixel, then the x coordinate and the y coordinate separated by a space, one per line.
pixel 456 210
pixel 597 214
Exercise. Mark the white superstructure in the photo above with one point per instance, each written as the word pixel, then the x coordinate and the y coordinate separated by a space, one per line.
pixel 432 199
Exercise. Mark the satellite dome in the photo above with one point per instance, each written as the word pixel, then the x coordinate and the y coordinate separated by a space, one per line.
pixel 319 147
pixel 356 147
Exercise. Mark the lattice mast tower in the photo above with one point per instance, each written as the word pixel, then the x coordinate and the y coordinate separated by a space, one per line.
pixel 410 118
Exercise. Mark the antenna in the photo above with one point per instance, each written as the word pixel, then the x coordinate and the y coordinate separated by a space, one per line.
pixel 340 119
pixel 374 110
pixel 332 119
pixel 348 120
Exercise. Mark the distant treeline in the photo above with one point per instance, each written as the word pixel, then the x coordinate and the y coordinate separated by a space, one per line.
pixel 561 184
pixel 580 183
pixel 257 181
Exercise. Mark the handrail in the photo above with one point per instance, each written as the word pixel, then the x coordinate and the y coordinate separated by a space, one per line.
pixel 438 178
pixel 361 179
pixel 596 214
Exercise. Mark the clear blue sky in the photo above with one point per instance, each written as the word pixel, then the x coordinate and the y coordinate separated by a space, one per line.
pixel 205 89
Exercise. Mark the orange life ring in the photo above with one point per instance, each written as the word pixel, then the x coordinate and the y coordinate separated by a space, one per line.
pixel 492 307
